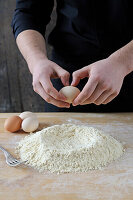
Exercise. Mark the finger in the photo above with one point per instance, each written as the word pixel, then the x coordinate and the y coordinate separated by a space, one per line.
pixel 39 89
pixel 99 100
pixel 95 95
pixel 86 92
pixel 50 90
pixel 78 75
pixel 103 97
pixel 63 75
pixel 110 98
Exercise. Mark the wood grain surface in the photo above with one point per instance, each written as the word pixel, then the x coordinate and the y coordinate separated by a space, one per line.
pixel 15 80
pixel 112 182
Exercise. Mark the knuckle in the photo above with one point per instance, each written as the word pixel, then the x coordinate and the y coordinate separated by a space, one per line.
pixel 34 83
pixel 105 85
pixel 67 74
pixel 116 92
pixel 35 87
pixel 105 102
pixel 111 89
pixel 48 90
pixel 76 73
pixel 48 99
pixel 91 99
pixel 96 77
pixel 63 74
pixel 97 103
pixel 60 105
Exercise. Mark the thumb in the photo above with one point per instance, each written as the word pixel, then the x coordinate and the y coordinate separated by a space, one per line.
pixel 63 75
pixel 79 74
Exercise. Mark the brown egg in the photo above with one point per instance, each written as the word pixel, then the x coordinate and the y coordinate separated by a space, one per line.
pixel 13 124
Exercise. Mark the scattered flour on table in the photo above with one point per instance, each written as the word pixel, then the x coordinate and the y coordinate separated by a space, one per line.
pixel 69 148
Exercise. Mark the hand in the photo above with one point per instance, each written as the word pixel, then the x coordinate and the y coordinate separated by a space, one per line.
pixel 42 73
pixel 105 79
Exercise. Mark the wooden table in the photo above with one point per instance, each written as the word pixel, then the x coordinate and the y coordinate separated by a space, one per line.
pixel 114 182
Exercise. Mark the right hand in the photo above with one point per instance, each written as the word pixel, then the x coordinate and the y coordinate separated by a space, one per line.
pixel 42 73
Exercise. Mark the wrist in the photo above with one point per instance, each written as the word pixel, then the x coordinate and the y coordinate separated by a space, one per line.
pixel 119 60
pixel 35 61
pixel 35 57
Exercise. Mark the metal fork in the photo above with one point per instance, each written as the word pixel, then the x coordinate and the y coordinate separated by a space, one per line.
pixel 10 160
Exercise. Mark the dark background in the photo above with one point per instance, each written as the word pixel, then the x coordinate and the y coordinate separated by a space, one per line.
pixel 16 92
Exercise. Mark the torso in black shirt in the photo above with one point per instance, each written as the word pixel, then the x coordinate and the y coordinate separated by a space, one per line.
pixel 85 28
pixel 86 31
pixel 92 28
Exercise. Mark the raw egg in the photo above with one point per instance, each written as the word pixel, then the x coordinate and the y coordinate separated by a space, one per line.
pixel 13 124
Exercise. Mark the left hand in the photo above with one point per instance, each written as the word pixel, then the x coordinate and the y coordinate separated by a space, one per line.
pixel 105 78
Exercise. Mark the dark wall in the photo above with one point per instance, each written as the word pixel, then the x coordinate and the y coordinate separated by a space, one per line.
pixel 16 93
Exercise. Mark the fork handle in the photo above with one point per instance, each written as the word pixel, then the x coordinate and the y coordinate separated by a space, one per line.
pixel 4 151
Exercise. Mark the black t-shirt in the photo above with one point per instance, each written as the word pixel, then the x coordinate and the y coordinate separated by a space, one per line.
pixel 84 28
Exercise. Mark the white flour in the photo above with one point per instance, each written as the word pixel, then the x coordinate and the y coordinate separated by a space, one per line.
pixel 69 148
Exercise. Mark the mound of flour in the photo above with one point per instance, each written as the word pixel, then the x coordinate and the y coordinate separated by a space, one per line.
pixel 69 148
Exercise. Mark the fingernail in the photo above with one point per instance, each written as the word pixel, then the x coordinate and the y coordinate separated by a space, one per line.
pixel 74 104
pixel 67 106
pixel 72 83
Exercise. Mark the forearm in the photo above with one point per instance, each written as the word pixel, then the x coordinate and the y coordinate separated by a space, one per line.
pixel 32 46
pixel 125 57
